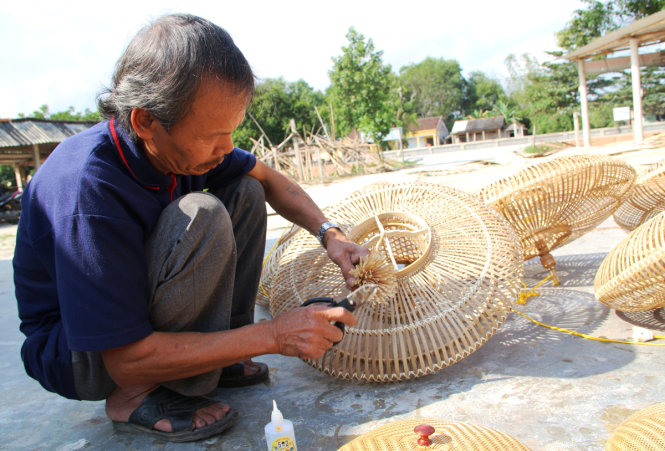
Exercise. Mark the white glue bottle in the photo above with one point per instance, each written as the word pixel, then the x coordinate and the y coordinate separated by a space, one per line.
pixel 279 432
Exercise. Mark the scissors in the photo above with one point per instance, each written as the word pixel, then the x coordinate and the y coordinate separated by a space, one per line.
pixel 349 301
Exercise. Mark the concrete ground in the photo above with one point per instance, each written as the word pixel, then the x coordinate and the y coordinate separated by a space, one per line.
pixel 549 389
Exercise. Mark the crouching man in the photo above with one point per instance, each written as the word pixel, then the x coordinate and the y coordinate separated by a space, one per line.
pixel 140 244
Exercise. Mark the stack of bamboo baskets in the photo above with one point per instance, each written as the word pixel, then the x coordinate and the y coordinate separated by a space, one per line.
pixel 458 260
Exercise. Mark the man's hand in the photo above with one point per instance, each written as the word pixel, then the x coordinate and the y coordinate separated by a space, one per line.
pixel 344 252
pixel 308 332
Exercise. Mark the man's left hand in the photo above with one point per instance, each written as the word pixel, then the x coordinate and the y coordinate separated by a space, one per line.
pixel 344 252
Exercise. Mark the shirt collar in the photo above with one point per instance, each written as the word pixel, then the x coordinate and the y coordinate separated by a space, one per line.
pixel 135 160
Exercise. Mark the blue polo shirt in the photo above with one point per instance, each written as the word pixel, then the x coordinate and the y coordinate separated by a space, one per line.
pixel 79 265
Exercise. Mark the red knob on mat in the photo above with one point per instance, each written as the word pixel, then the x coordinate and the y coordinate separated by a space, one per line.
pixel 424 430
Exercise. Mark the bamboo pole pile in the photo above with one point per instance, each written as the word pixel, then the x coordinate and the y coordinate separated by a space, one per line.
pixel 309 156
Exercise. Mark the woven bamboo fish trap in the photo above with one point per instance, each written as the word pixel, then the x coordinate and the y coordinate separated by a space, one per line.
pixel 645 200
pixel 642 431
pixel 555 202
pixel 458 268
pixel 271 264
pixel 271 261
pixel 401 436
pixel 631 278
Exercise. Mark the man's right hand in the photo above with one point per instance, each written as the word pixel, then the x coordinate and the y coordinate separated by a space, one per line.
pixel 308 332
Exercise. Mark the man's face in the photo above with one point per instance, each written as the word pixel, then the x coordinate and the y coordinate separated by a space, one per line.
pixel 200 140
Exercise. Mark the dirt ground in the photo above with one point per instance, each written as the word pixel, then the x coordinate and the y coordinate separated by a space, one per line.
pixel 7 240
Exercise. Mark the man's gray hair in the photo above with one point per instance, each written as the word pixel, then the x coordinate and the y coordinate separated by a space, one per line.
pixel 164 64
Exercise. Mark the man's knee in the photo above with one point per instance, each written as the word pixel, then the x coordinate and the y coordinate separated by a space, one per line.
pixel 205 210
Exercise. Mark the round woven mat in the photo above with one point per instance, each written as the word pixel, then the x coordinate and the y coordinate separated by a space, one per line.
pixel 645 200
pixel 552 203
pixel 632 276
pixel 459 267
pixel 400 436
pixel 642 431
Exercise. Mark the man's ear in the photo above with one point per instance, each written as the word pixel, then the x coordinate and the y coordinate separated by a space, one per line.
pixel 143 122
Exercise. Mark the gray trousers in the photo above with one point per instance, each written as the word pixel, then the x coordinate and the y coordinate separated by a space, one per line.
pixel 204 265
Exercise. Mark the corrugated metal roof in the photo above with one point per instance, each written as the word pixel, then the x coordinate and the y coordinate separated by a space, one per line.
pixel 459 127
pixel 478 125
pixel 10 136
pixel 26 132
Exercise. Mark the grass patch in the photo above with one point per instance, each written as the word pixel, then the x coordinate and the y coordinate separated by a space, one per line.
pixel 537 149
pixel 397 165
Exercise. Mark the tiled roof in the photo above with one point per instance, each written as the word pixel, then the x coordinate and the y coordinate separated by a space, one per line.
pixel 425 123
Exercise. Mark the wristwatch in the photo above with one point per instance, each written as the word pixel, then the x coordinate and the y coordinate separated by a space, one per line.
pixel 322 231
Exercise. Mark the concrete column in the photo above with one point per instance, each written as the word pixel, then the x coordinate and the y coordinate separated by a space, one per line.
pixel 36 157
pixel 18 174
pixel 576 124
pixel 638 126
pixel 584 103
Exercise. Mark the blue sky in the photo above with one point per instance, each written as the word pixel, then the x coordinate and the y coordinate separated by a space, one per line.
pixel 63 53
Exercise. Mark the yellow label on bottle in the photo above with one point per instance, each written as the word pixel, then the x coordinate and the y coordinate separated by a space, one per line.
pixel 283 444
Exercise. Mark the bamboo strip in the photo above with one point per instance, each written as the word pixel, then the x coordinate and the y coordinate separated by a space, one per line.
pixel 631 278
pixel 645 200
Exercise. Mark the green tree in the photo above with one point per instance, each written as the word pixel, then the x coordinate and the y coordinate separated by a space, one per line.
pixel 599 18
pixel 506 109
pixel 629 10
pixel 275 103
pixel 435 87
pixel 70 114
pixel 363 89
pixel 653 88
pixel 587 24
pixel 484 92
pixel 547 94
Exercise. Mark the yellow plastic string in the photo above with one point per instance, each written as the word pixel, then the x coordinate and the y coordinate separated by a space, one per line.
pixel 525 295
pixel 589 336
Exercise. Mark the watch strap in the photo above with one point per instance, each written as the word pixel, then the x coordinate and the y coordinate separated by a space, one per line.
pixel 322 231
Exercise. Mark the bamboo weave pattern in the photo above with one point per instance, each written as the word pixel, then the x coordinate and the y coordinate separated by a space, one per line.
pixel 271 263
pixel 631 278
pixel 645 200
pixel 400 436
pixel 459 265
pixel 553 203
pixel 642 431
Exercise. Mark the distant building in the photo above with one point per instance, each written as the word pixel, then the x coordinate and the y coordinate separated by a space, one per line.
pixel 429 131
pixel 470 130
pixel 28 142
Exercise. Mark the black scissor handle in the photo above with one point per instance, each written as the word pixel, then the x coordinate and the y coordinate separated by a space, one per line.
pixel 331 303
pixel 319 300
